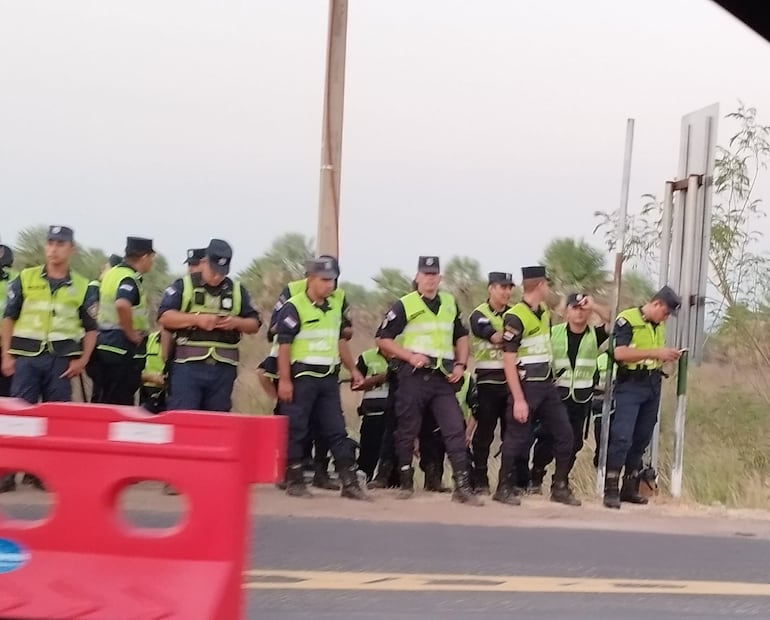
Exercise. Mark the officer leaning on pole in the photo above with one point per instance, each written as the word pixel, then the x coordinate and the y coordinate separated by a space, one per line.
pixel 48 330
pixel 207 313
pixel 639 350
pixel 423 330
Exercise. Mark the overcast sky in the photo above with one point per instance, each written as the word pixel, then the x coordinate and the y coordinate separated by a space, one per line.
pixel 481 127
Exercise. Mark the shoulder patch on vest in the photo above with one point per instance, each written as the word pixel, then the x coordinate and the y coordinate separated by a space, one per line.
pixel 621 321
pixel 289 320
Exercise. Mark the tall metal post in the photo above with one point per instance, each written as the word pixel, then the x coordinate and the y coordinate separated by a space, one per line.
pixel 331 139
pixel 620 236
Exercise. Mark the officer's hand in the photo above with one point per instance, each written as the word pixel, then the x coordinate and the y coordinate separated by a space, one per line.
pixel 418 360
pixel 285 390
pixel 356 379
pixel 456 374
pixel 74 368
pixel 135 337
pixel 668 354
pixel 8 365
pixel 496 338
pixel 207 322
pixel 231 323
pixel 520 410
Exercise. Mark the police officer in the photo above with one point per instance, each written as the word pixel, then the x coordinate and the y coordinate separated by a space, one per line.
pixel 152 395
pixel 640 352
pixel 48 330
pixel 374 367
pixel 487 328
pixel 432 347
pixel 575 347
pixel 6 275
pixel 597 402
pixel 116 367
pixel 207 312
pixel 309 333
pixel 94 285
pixel 527 363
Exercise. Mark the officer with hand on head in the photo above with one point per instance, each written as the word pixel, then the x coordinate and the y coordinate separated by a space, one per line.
pixel 527 361
pixel 124 322
pixel 207 312
pixel 487 346
pixel 424 332
pixel 309 334
pixel 639 349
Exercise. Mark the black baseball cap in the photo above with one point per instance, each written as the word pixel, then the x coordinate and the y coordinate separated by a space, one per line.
pixel 219 254
pixel 669 297
pixel 574 299
pixel 6 256
pixel 428 264
pixel 61 233
pixel 323 268
pixel 114 260
pixel 532 272
pixel 194 256
pixel 500 277
pixel 335 263
pixel 139 246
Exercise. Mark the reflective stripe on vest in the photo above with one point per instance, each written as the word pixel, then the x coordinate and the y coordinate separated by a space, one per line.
pixel 108 292
pixel 317 343
pixel 579 382
pixel 462 395
pixel 534 354
pixel 49 320
pixel 488 356
pixel 643 336
pixel 154 361
pixel 428 333
pixel 376 364
pixel 194 345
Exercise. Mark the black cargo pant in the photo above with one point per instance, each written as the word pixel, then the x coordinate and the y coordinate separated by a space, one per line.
pixel 493 406
pixel 543 452
pixel 432 450
pixel 372 431
pixel 545 407
pixel 421 391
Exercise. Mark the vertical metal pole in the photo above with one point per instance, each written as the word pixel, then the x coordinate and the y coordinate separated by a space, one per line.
pixel 620 236
pixel 331 139
pixel 665 259
pixel 685 312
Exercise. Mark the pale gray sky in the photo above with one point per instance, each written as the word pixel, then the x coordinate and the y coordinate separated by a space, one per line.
pixel 465 122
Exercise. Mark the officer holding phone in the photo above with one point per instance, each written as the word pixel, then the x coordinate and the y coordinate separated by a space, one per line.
pixel 207 312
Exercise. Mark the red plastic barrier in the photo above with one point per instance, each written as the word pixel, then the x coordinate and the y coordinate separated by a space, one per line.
pixel 83 560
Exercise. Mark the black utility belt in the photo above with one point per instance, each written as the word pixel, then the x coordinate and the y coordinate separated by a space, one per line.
pixel 638 374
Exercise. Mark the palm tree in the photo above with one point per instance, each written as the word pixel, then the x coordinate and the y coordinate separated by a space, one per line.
pixel 462 278
pixel 574 265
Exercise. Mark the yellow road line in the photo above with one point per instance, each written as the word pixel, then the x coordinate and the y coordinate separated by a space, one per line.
pixel 258 579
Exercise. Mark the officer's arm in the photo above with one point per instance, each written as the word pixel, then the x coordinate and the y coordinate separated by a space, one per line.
pixel 510 361
pixel 249 320
pixel 284 363
pixel 7 334
pixel 88 344
pixel 170 316
pixel 166 340
pixel 622 351
pixel 462 351
pixel 481 327
pixel 392 325
pixel 346 357
pixel 512 333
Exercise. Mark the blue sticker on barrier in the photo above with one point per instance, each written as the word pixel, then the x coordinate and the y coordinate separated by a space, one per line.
pixel 12 555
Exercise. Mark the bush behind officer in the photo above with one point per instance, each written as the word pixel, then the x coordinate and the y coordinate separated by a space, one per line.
pixel 207 312
pixel 640 352
pixel 424 331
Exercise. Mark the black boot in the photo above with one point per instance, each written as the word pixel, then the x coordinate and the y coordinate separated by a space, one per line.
pixel 295 481
pixel 561 493
pixel 382 479
pixel 350 485
pixel 406 478
pixel 321 478
pixel 611 492
pixel 536 481
pixel 505 493
pixel 8 483
pixel 629 492
pixel 481 482
pixel 463 492
pixel 433 478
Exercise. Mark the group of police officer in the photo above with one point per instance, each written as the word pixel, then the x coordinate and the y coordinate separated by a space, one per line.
pixel 535 379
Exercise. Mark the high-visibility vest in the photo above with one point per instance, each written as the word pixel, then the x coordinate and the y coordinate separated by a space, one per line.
pixel 643 336
pixel 374 400
pixel 578 381
pixel 108 313
pixel 315 349
pixel 194 345
pixel 462 395
pixel 488 356
pixel 534 354
pixel 49 321
pixel 430 334
pixel 6 275
pixel 154 362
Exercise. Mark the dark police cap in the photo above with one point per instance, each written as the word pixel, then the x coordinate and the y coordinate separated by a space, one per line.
pixel 138 246
pixel 219 254
pixel 322 267
pixel 532 272
pixel 500 277
pixel 335 263
pixel 194 256
pixel 114 260
pixel 428 264
pixel 669 297
pixel 6 256
pixel 61 233
pixel 575 299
